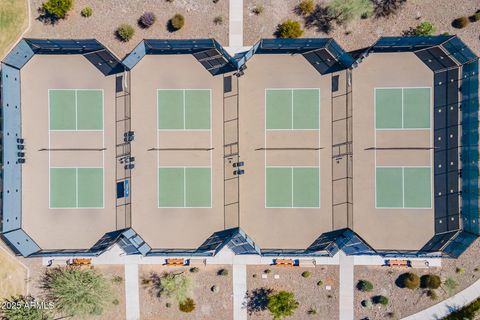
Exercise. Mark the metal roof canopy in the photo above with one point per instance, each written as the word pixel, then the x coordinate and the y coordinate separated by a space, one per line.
pixel 207 51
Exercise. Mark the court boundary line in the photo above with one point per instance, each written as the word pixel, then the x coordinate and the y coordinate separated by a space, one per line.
pixel 158 131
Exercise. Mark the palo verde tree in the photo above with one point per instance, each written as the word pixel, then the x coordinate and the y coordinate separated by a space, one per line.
pixel 282 304
pixel 344 11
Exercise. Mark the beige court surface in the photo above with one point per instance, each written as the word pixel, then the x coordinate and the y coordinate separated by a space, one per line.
pixel 188 153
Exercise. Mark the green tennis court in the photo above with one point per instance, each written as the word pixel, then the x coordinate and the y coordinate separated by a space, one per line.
pixel 76 188
pixel 184 187
pixel 402 108
pixel 76 109
pixel 292 109
pixel 403 187
pixel 184 109
pixel 292 187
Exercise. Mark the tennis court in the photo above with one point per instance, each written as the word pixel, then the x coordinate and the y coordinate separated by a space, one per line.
pixel 292 109
pixel 185 187
pixel 184 109
pixel 402 108
pixel 404 187
pixel 76 188
pixel 76 109
pixel 292 187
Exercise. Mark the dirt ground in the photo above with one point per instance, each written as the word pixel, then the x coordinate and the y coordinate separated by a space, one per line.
pixel 13 276
pixel 307 292
pixel 362 33
pixel 209 305
pixel 404 302
pixel 108 15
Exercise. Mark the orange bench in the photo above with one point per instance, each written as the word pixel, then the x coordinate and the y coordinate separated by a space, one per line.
pixel 284 262
pixel 398 263
pixel 175 262
pixel 80 262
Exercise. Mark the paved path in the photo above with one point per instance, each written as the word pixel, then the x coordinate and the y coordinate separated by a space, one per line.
pixel 445 307
pixel 239 291
pixel 346 286
pixel 131 292
pixel 235 29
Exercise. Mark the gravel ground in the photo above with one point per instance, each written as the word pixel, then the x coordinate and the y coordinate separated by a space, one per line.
pixel 306 290
pixel 109 14
pixel 209 305
pixel 404 302
pixel 363 33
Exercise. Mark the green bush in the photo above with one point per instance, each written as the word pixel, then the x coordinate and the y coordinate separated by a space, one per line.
pixel 460 23
pixel 289 29
pixel 320 283
pixel 267 271
pixel 282 304
pixel 168 305
pixel 426 28
pixel 78 292
pixel 306 274
pixel 432 294
pixel 364 286
pixel 450 284
pixel 86 12
pixel 366 303
pixel 218 20
pixel 187 306
pixel 117 279
pixel 215 289
pixel 173 285
pixel 177 22
pixel 258 9
pixel 312 311
pixel 409 280
pixel 476 16
pixel 116 302
pixel 125 32
pixel 459 270
pixel 344 11
pixel 430 281
pixel 380 300
pixel 222 272
pixel 57 8
pixel 305 7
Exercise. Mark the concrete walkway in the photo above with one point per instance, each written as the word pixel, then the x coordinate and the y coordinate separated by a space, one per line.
pixel 445 307
pixel 239 291
pixel 131 292
pixel 235 29
pixel 346 286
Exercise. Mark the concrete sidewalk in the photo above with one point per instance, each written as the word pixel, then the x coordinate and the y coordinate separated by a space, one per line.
pixel 346 286
pixel 235 28
pixel 132 299
pixel 239 291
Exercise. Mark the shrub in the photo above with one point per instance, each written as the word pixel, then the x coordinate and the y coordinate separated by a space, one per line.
pixel 267 271
pixel 173 285
pixel 170 1
pixel 426 28
pixel 364 286
pixel 380 300
pixel 57 8
pixel 177 22
pixel 432 294
pixel 218 20
pixel 289 29
pixel 319 283
pixel 460 23
pixel 194 269
pixel 78 292
pixel 254 275
pixel 258 9
pixel 222 272
pixel 306 274
pixel 312 311
pixel 459 270
pixel 475 17
pixel 20 308
pixel 282 304
pixel 125 32
pixel 409 280
pixel 187 306
pixel 366 303
pixel 385 8
pixel 147 19
pixel 215 1
pixel 86 12
pixel 305 7
pixel 430 281
pixel 215 289
pixel 117 279
pixel 168 305
pixel 115 302
pixel 344 11
pixel 450 284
